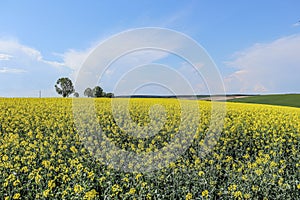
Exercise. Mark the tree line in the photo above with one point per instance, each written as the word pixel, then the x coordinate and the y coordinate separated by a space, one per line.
pixel 65 88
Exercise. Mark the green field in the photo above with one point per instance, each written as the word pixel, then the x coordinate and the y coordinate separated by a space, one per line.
pixel 292 100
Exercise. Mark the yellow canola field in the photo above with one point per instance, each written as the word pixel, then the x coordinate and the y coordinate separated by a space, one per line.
pixel 47 153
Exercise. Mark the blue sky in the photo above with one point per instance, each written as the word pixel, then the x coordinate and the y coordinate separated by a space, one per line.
pixel 255 44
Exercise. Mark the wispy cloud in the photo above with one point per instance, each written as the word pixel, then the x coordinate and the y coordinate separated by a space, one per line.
pixel 75 59
pixel 114 57
pixel 33 72
pixel 296 24
pixel 11 70
pixel 272 67
pixel 5 56
pixel 42 73
pixel 115 52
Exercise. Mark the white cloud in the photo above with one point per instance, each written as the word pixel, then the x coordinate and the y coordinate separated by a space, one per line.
pixel 5 56
pixel 11 70
pixel 41 74
pixel 114 52
pixel 272 67
pixel 142 55
pixel 74 59
pixel 296 24
pixel 26 70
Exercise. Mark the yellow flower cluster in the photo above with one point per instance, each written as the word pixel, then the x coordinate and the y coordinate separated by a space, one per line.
pixel 46 153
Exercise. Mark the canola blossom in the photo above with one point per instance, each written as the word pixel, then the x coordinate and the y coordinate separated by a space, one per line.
pixel 45 153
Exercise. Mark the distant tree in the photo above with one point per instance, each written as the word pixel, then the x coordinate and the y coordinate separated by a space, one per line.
pixel 88 92
pixel 76 94
pixel 64 87
pixel 97 91
pixel 109 95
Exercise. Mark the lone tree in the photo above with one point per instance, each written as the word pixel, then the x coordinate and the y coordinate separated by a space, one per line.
pixel 64 87
pixel 88 92
pixel 97 91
